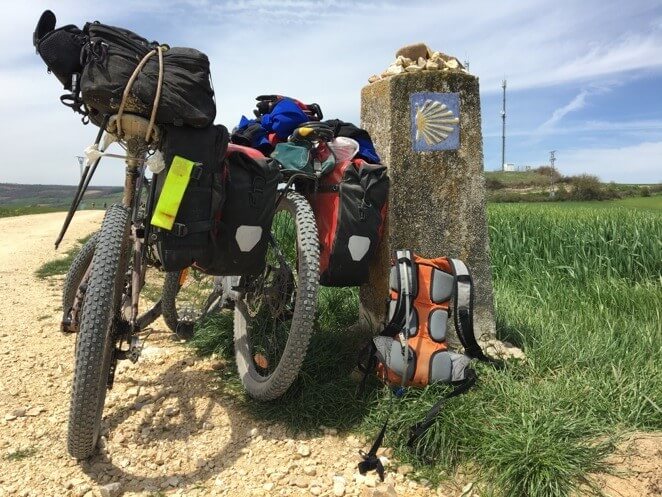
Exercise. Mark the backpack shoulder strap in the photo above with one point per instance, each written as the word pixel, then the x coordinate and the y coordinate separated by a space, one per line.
pixel 407 285
pixel 463 310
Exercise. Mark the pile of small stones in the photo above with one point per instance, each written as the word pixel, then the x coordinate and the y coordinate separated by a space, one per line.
pixel 419 57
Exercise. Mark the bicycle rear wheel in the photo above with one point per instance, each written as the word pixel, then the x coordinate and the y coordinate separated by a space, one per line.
pixel 75 275
pixel 78 275
pixel 275 311
pixel 99 328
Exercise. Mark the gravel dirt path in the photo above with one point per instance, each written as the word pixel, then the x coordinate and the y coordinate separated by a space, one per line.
pixel 168 427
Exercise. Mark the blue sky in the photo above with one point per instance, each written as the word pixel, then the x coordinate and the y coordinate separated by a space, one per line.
pixel 584 77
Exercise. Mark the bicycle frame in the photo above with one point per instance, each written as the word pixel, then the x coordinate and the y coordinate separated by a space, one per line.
pixel 134 179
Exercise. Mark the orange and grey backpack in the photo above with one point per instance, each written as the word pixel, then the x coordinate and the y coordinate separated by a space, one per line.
pixel 412 350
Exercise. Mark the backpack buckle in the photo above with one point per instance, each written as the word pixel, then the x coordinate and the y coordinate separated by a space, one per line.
pixel 256 192
pixel 196 172
pixel 179 230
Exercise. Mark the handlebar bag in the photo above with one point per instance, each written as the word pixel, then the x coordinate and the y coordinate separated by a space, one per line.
pixel 350 208
pixel 111 56
pixel 190 239
pixel 241 242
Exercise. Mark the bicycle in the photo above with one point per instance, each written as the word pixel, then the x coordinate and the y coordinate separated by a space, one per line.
pixel 269 352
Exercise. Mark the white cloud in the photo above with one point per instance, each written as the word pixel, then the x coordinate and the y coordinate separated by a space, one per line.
pixel 640 163
pixel 575 104
pixel 322 51
pixel 591 126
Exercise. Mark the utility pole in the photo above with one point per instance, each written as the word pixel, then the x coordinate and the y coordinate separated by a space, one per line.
pixel 552 160
pixel 503 127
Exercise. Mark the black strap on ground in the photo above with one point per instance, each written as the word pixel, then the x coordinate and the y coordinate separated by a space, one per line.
pixel 366 364
pixel 370 460
pixel 422 426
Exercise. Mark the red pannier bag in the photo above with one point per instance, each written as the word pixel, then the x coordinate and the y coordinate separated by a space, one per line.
pixel 350 207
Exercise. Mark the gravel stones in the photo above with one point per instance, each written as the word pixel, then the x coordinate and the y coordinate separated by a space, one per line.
pixel 110 489
pixel 339 486
pixel 15 414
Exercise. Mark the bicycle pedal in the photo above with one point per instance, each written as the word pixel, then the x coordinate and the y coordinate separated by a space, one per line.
pixel 137 345
pixel 136 348
pixel 67 326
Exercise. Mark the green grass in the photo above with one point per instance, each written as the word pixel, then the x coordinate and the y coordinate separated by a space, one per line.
pixel 20 454
pixel 518 178
pixel 324 393
pixel 653 203
pixel 11 211
pixel 578 287
pixel 61 265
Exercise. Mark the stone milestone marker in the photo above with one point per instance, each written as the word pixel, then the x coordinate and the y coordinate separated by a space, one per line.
pixel 423 114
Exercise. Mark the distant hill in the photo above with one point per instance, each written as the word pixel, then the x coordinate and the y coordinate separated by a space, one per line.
pixel 537 184
pixel 55 196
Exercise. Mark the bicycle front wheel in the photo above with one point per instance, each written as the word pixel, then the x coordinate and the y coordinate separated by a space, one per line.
pixel 275 311
pixel 96 339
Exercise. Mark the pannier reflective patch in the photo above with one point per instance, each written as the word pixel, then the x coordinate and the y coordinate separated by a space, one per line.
pixel 358 246
pixel 172 193
pixel 248 237
pixel 442 286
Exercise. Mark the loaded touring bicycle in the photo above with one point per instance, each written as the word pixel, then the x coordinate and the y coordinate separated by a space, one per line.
pixel 192 204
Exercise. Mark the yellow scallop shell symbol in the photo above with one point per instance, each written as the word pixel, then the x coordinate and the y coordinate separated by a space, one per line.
pixel 434 122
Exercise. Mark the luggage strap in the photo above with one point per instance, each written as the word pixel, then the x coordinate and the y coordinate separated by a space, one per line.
pixel 157 98
pixel 407 288
pixel 460 387
pixel 463 311
pixel 181 230
pixel 370 460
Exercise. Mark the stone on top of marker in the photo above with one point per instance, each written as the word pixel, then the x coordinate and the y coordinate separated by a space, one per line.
pixel 419 57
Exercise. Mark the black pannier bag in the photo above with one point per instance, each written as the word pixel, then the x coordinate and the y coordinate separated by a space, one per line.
pixel 111 56
pixel 250 201
pixel 59 48
pixel 350 208
pixel 190 239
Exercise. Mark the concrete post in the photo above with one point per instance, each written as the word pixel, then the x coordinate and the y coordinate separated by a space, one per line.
pixel 426 126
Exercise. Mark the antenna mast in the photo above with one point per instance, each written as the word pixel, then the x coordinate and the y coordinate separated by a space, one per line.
pixel 503 127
